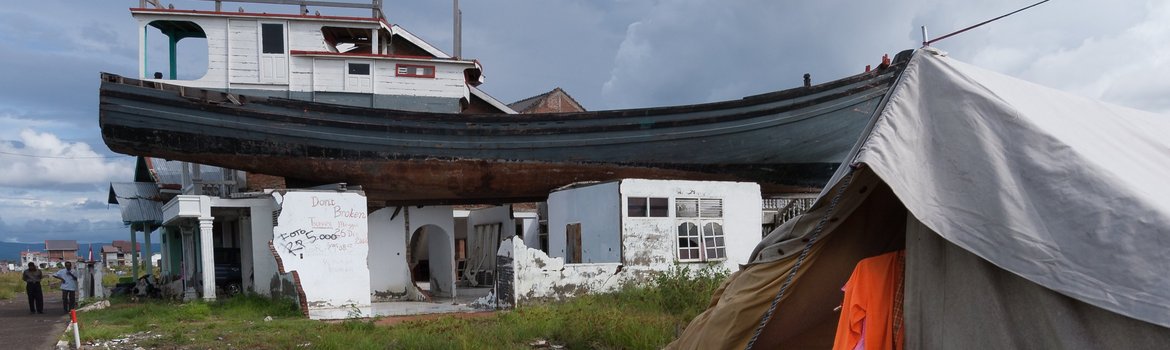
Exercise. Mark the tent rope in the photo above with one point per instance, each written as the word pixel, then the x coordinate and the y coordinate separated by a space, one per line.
pixel 803 255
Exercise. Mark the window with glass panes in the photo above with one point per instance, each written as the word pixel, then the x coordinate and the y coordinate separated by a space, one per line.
pixel 700 229
pixel 647 207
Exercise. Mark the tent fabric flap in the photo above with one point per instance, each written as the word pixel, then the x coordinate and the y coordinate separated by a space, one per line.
pixel 1064 191
pixel 956 300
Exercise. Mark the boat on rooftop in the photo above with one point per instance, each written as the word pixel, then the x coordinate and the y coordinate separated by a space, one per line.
pixel 319 99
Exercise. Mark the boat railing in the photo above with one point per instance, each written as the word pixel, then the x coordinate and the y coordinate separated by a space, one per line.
pixel 375 5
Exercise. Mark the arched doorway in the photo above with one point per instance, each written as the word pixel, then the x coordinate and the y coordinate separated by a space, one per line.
pixel 432 261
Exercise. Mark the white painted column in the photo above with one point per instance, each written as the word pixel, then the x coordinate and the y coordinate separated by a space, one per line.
pixel 207 251
pixel 375 44
pixel 148 264
pixel 141 50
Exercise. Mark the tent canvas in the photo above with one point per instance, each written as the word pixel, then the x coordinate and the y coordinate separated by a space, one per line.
pixel 1031 218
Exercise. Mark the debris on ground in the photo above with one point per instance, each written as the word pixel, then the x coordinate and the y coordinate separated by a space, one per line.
pixel 129 341
pixel 545 344
pixel 488 302
pixel 95 306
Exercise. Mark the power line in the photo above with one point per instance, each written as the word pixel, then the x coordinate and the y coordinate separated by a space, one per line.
pixel 60 157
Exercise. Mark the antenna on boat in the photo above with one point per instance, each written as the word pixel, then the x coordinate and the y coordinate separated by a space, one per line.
pixel 458 20
pixel 926 43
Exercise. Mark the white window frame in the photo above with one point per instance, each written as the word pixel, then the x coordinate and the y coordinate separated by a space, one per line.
pixel 646 202
pixel 709 243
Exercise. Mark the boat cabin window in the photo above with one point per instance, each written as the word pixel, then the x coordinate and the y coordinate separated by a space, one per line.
pixel 174 50
pixel 272 35
pixel 414 71
pixel 359 68
pixel 341 40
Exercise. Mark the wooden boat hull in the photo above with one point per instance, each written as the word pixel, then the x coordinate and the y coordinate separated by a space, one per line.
pixel 787 141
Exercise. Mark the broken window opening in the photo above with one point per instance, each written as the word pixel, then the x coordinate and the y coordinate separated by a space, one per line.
pixel 343 40
pixel 162 55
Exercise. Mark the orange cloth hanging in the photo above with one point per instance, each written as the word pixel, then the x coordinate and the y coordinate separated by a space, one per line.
pixel 869 304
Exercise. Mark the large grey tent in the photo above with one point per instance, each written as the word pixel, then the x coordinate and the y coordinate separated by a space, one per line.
pixel 1031 219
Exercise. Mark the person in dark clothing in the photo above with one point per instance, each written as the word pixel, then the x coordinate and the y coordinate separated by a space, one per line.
pixel 68 286
pixel 32 285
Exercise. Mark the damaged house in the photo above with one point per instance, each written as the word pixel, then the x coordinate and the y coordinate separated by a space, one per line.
pixel 601 235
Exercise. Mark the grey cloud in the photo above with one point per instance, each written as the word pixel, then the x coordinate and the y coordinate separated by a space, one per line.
pixel 90 203
pixel 38 230
pixel 706 50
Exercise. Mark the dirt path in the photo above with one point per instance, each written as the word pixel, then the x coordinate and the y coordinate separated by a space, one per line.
pixel 22 330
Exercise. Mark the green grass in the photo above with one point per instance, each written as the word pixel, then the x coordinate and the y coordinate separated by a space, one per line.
pixel 10 284
pixel 638 317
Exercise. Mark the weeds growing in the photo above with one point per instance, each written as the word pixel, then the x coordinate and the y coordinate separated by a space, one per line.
pixel 637 317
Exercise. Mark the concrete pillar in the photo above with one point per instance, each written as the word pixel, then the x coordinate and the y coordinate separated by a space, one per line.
pixel 148 265
pixel 133 253
pixel 208 261
pixel 164 246
pixel 188 270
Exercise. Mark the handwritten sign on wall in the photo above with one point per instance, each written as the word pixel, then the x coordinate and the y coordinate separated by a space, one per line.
pixel 324 237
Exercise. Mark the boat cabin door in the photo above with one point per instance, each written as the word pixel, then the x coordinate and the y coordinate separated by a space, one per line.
pixel 273 53
pixel 357 76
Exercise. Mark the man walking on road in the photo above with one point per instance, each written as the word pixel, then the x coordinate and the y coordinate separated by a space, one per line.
pixel 68 286
pixel 32 279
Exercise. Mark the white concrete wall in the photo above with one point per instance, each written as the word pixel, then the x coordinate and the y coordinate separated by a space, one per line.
pixel 653 242
pixel 597 209
pixel 323 237
pixel 441 261
pixel 389 273
pixel 538 277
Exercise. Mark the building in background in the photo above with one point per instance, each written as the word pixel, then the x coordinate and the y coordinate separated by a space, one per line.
pixel 118 253
pixel 555 101
pixel 38 258
pixel 59 251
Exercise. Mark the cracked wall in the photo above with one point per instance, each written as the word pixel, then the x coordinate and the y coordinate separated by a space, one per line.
pixel 321 237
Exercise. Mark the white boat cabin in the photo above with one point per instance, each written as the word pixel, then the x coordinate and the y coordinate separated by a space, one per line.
pixel 355 61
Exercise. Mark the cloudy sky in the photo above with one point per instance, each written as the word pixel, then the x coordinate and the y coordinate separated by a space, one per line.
pixel 606 53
